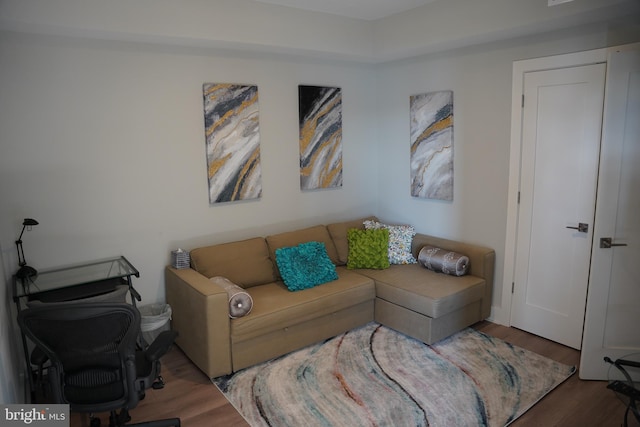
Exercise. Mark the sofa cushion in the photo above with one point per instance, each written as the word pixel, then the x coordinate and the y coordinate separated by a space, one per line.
pixel 305 266
pixel 246 262
pixel 368 248
pixel 424 291
pixel 338 232
pixel 400 239
pixel 275 307
pixel 318 233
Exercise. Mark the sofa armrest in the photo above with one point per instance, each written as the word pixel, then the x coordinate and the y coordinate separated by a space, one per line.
pixel 481 261
pixel 200 314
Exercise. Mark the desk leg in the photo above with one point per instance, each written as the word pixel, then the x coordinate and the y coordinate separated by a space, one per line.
pixel 134 294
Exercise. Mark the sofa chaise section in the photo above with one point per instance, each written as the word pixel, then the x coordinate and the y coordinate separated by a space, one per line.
pixel 421 303
pixel 430 306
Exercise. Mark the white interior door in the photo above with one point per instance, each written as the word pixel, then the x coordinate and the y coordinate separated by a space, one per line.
pixel 613 307
pixel 562 117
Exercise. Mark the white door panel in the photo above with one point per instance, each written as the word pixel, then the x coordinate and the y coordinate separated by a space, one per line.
pixel 612 324
pixel 561 127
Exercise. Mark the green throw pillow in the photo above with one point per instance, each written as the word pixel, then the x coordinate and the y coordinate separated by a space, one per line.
pixel 368 248
pixel 305 266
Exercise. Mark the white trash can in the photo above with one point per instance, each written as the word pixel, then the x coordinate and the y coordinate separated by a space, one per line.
pixel 154 320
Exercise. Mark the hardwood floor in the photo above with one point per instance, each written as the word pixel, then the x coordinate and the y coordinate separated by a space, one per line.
pixel 190 395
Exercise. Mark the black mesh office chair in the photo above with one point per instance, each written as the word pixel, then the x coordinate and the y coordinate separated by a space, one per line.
pixel 95 364
pixel 38 358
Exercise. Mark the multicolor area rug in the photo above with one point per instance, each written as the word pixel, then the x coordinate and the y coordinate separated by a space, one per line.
pixel 374 376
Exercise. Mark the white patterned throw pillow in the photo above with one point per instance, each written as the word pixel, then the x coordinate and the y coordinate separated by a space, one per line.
pixel 400 239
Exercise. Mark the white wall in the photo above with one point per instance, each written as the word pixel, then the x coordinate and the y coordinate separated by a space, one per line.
pixel 480 78
pixel 103 144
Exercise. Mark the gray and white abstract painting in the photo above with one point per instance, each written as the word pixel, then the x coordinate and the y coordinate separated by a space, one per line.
pixel 432 145
pixel 232 134
pixel 320 115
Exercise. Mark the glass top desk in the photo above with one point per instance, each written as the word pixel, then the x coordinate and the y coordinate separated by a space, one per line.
pixel 77 281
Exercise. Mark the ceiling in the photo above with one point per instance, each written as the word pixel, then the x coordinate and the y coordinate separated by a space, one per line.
pixel 360 9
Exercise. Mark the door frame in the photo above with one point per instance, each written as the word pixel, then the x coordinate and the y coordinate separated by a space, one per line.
pixel 502 314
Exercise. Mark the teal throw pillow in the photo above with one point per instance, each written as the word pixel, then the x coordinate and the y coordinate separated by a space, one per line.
pixel 368 248
pixel 305 266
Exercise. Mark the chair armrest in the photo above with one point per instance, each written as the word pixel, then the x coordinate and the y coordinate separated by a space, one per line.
pixel 481 261
pixel 200 314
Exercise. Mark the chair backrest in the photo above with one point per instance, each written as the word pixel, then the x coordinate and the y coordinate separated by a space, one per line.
pixel 92 350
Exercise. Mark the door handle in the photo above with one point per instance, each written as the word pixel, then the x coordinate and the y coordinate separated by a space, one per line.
pixel 582 227
pixel 606 243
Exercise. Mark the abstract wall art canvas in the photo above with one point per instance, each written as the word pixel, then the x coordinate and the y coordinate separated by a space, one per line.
pixel 320 114
pixel 432 145
pixel 232 134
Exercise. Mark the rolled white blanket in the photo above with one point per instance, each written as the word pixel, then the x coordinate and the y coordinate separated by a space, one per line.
pixel 443 261
pixel 240 302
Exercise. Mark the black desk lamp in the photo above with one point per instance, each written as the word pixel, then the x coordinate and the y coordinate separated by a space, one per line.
pixel 25 271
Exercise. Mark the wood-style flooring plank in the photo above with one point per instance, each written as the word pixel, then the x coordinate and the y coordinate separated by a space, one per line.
pixel 191 396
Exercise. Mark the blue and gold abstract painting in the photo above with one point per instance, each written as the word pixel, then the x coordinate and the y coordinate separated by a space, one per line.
pixel 432 145
pixel 320 113
pixel 232 134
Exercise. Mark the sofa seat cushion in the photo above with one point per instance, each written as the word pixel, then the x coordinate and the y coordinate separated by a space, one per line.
pixel 426 292
pixel 275 307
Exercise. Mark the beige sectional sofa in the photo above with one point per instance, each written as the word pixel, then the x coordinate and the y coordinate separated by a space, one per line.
pixel 410 298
